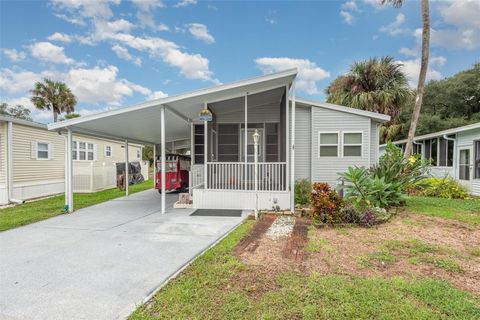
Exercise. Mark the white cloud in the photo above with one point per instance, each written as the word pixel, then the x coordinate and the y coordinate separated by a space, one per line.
pixel 14 55
pixel 100 85
pixel 62 37
pixel 395 28
pixel 456 38
pixel 157 95
pixel 20 81
pixel 145 14
pixel 49 52
pixel 184 3
pixel 308 72
pixel 462 13
pixel 123 53
pixel 105 29
pixel 200 31
pixel 412 69
pixel 409 52
pixel 348 18
pixel 86 8
pixel 350 5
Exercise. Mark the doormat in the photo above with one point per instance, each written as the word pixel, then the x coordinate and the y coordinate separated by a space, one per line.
pixel 217 213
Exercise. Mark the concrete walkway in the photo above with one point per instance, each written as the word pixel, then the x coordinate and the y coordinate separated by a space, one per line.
pixel 102 261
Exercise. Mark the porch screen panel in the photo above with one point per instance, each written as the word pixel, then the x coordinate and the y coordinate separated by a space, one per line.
pixel 199 143
pixel 272 142
pixel 228 142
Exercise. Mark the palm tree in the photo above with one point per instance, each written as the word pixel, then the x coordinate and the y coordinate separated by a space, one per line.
pixel 423 70
pixel 377 85
pixel 55 96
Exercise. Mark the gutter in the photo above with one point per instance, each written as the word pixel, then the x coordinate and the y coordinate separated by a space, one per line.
pixel 10 164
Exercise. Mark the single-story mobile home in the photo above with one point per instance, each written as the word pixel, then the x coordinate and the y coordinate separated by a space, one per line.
pixel 453 152
pixel 32 161
pixel 296 138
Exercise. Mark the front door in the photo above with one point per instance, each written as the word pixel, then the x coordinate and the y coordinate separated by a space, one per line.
pixel 250 145
pixel 465 167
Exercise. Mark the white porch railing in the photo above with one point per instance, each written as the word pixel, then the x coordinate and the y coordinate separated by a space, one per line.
pixel 196 176
pixel 241 176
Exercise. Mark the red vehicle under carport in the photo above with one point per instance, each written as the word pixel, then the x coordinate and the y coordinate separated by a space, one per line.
pixel 176 173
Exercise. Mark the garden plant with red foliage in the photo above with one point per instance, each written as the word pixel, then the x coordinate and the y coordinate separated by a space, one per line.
pixel 326 203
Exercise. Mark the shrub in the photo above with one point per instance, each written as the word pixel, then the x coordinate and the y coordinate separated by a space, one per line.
pixel 350 214
pixel 441 187
pixel 365 191
pixel 326 203
pixel 393 167
pixel 303 188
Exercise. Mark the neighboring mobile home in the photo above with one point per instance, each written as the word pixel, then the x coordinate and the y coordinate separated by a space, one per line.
pixel 453 152
pixel 298 139
pixel 32 161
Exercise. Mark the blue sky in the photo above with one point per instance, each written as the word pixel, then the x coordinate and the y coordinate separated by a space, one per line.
pixel 116 53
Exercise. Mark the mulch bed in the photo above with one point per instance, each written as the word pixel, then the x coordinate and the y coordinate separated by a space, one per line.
pixel 251 242
pixel 295 247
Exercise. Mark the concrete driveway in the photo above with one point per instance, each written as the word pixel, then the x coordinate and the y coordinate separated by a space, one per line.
pixel 100 262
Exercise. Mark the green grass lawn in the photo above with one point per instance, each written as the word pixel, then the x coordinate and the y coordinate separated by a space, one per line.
pixel 457 209
pixel 46 208
pixel 207 290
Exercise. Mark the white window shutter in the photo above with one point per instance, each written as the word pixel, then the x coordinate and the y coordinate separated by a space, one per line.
pixel 94 152
pixel 51 154
pixel 34 149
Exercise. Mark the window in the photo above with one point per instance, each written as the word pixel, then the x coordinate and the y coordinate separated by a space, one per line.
pixel 446 153
pixel 352 144
pixel 138 153
pixel 108 151
pixel 199 140
pixel 464 164
pixel 328 144
pixel 417 148
pixel 476 161
pixel 83 151
pixel 434 151
pixel 42 150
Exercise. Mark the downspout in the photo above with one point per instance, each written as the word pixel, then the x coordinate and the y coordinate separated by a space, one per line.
pixel 10 164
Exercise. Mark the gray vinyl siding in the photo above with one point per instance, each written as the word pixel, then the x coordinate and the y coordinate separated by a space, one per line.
pixel 303 142
pixel 374 141
pixel 326 169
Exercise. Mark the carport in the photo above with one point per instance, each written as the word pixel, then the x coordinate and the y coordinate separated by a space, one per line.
pixel 166 120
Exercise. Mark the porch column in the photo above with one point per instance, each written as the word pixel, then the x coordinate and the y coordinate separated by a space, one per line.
pixel 125 180
pixel 292 160
pixel 205 150
pixel 69 175
pixel 192 158
pixel 287 138
pixel 245 144
pixel 154 165
pixel 163 147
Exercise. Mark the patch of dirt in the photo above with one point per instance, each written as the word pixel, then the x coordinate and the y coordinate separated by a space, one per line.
pixel 251 241
pixel 296 243
pixel 347 248
pixel 349 251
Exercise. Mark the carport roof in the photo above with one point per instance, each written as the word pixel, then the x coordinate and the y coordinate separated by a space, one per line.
pixel 141 122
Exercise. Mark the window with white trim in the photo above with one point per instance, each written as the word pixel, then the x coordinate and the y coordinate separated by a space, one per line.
pixel 138 153
pixel 328 144
pixel 83 151
pixel 352 144
pixel 108 151
pixel 43 151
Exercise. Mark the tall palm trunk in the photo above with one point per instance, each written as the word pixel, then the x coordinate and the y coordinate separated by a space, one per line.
pixel 421 77
pixel 55 115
